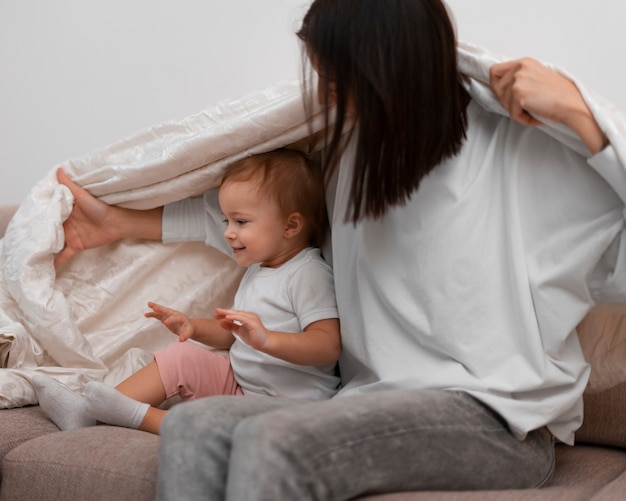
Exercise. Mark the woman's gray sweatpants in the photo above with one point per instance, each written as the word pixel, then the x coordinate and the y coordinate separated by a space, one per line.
pixel 266 448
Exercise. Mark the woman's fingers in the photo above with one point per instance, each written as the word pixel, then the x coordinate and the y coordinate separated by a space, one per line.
pixel 508 83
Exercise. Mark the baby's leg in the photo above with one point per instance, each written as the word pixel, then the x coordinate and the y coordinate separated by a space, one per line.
pixel 64 407
pixel 184 369
pixel 145 385
pixel 129 404
pixel 110 406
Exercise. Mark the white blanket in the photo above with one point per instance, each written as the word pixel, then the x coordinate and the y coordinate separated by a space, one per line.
pixel 85 321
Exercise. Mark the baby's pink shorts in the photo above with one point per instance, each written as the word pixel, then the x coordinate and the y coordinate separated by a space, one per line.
pixel 191 371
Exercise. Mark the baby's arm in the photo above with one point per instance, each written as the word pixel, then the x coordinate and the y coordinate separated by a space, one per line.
pixel 205 330
pixel 319 344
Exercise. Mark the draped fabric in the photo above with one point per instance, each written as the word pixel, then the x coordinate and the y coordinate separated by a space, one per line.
pixel 85 320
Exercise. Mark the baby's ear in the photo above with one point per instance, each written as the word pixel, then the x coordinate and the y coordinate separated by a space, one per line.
pixel 293 225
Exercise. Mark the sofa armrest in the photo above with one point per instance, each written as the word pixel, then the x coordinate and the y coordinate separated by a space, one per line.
pixel 6 213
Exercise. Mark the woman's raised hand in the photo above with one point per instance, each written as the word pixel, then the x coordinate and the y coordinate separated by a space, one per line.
pixel 530 91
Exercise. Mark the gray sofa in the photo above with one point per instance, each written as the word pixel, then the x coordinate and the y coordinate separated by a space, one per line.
pixel 39 462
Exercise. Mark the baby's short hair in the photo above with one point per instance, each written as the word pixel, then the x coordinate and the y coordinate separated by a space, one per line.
pixel 289 177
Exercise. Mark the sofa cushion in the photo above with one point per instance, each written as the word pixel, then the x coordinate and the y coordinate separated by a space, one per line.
pixel 582 472
pixel 605 417
pixel 96 463
pixel 19 425
pixel 105 462
pixel 602 340
pixel 613 491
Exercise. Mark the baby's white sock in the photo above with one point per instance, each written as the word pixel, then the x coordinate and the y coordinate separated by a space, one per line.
pixel 64 407
pixel 108 405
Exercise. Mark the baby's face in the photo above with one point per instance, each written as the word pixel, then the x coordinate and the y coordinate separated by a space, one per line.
pixel 254 224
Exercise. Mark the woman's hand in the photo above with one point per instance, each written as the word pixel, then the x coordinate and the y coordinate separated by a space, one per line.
pixel 246 325
pixel 177 322
pixel 88 224
pixel 529 91
pixel 93 223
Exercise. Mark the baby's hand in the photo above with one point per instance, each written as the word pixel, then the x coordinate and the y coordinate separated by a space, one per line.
pixel 174 320
pixel 246 325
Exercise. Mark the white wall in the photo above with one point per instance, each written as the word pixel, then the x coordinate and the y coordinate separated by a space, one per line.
pixel 584 37
pixel 78 75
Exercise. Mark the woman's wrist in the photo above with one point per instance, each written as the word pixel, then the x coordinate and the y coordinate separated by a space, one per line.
pixel 141 224
pixel 581 120
pixel 590 133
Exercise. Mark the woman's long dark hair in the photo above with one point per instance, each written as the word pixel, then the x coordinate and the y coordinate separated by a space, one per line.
pixel 393 63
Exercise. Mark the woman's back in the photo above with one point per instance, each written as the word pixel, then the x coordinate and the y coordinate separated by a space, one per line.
pixel 457 289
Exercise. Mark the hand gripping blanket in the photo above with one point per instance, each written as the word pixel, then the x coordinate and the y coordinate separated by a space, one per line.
pixel 85 320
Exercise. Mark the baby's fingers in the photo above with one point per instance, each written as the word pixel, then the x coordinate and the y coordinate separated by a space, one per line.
pixel 221 313
pixel 159 308
pixel 158 311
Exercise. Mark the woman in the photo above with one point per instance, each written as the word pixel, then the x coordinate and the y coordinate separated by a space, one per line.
pixel 466 247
